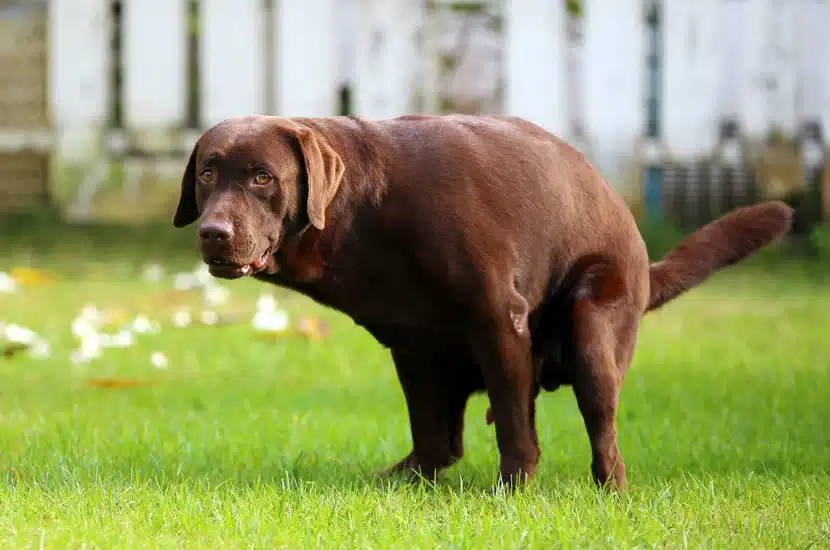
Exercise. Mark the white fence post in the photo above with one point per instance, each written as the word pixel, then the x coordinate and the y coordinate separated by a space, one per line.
pixel 232 59
pixel 155 50
pixel 306 67
pixel 387 57
pixel 814 63
pixel 767 89
pixel 691 73
pixel 79 66
pixel 613 89
pixel 536 63
pixel 732 15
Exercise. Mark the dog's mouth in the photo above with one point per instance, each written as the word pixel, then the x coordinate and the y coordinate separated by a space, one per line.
pixel 227 269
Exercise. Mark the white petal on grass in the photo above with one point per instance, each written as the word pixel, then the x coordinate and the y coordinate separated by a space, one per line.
pixel 215 294
pixel 159 360
pixel 181 318
pixel 200 277
pixel 7 283
pixel 209 317
pixel 266 303
pixel 40 350
pixel 87 321
pixel 91 345
pixel 90 312
pixel 78 356
pixel 202 274
pixel 153 273
pixel 121 339
pixel 90 349
pixel 142 325
pixel 184 281
pixel 271 321
pixel 20 335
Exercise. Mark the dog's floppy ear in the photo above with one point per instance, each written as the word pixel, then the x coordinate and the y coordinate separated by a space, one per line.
pixel 325 170
pixel 187 211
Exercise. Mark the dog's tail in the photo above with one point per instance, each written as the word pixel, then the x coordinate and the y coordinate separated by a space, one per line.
pixel 723 242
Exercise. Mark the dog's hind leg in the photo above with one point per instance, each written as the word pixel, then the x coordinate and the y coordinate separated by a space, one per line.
pixel 605 324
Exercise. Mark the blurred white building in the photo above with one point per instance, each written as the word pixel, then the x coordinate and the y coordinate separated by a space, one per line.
pixel 632 83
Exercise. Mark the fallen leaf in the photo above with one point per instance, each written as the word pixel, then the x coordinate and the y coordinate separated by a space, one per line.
pixel 168 297
pixel 275 336
pixel 10 350
pixel 39 349
pixel 116 317
pixel 313 328
pixel 110 383
pixel 31 277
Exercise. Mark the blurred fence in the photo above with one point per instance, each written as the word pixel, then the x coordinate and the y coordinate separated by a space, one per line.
pixel 688 107
pixel 24 112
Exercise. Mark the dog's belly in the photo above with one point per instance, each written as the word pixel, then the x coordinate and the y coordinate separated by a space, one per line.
pixel 391 297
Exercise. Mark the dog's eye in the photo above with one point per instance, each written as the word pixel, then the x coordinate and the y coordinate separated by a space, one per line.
pixel 263 178
pixel 206 175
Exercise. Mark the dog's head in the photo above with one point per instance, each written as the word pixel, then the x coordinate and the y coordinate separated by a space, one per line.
pixel 252 182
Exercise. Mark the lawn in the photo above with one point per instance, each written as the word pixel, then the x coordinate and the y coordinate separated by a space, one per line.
pixel 247 439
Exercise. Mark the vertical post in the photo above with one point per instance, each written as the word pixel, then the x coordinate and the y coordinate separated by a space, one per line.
pixel 305 79
pixel 750 82
pixel 387 57
pixel 812 66
pixel 535 63
pixel 651 153
pixel 614 64
pixel 732 15
pixel 813 50
pixel 79 66
pixel 781 60
pixel 767 86
pixel 155 52
pixel 814 93
pixel 232 59
pixel 691 71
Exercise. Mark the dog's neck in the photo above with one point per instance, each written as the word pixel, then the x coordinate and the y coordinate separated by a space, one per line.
pixel 303 257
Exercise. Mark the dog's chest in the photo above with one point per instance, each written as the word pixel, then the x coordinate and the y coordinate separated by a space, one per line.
pixel 372 289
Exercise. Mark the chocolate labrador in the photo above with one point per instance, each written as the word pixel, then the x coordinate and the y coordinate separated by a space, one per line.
pixel 485 253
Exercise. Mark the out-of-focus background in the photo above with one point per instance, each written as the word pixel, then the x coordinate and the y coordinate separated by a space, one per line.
pixel 689 108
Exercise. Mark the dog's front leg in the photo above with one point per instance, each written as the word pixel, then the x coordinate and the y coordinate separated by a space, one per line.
pixel 435 401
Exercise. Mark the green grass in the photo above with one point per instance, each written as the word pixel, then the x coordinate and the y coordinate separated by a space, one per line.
pixel 245 442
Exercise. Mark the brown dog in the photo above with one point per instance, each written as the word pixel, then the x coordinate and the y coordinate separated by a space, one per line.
pixel 484 252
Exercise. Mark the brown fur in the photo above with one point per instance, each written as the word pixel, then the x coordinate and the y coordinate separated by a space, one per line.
pixel 484 252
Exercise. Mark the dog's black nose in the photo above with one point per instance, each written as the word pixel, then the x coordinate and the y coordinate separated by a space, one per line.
pixel 215 231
